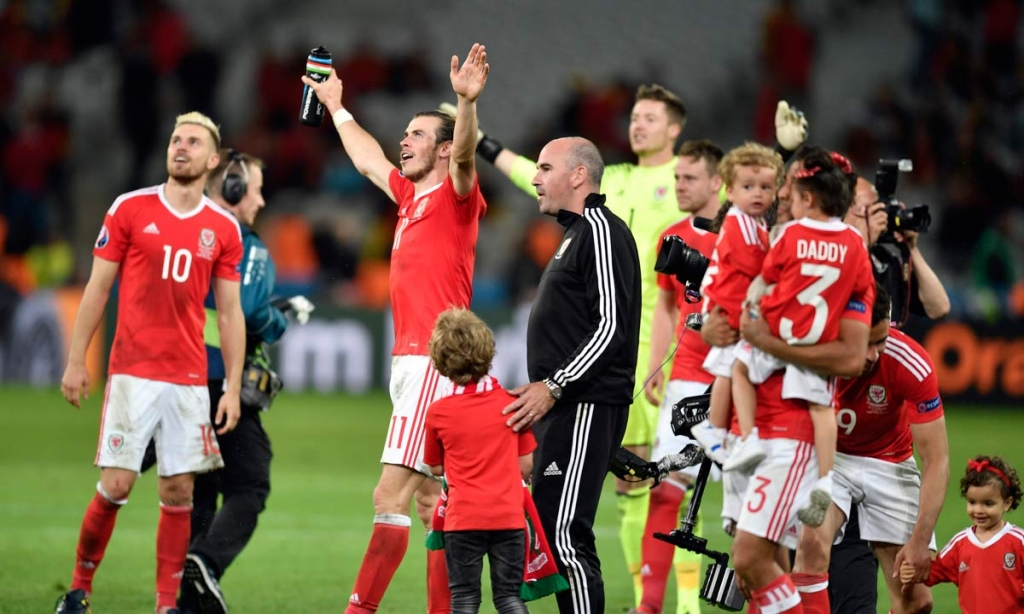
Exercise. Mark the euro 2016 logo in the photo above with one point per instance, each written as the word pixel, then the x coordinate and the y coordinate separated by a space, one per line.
pixel 103 238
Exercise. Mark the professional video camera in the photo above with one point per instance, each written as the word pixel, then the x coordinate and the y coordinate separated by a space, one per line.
pixel 688 265
pixel 916 218
pixel 719 587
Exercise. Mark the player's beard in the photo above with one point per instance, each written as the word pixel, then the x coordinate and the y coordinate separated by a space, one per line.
pixel 417 173
pixel 187 176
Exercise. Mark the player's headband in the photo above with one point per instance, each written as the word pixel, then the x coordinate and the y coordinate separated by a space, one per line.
pixel 986 465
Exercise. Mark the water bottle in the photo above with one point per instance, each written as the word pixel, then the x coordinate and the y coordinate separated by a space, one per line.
pixel 318 68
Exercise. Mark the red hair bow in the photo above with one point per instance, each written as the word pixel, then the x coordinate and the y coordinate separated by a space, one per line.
pixel 986 465
pixel 842 162
pixel 804 173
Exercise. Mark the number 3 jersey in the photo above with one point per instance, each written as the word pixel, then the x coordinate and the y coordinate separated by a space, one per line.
pixel 822 273
pixel 167 260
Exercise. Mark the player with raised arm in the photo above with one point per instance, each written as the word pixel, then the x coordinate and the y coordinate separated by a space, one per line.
pixel 752 174
pixel 164 244
pixel 818 269
pixel 432 257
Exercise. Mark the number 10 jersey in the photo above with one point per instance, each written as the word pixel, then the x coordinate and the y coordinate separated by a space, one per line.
pixel 167 260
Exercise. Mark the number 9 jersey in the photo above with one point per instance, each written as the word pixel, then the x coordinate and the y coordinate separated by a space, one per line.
pixel 167 260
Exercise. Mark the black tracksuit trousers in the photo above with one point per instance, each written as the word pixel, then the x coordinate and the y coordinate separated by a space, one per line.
pixel 575 446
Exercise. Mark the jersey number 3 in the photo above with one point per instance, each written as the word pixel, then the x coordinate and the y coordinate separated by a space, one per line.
pixel 811 295
pixel 177 267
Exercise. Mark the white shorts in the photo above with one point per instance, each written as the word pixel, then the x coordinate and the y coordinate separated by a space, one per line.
pixel 780 484
pixel 734 486
pixel 887 496
pixel 415 384
pixel 665 442
pixel 719 361
pixel 797 383
pixel 176 416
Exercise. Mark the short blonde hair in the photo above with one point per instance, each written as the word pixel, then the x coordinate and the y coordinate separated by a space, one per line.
pixel 461 346
pixel 753 155
pixel 197 118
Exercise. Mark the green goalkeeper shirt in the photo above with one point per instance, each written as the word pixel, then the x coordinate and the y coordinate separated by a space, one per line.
pixel 645 198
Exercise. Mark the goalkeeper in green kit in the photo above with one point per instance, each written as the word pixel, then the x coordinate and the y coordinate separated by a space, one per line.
pixel 643 195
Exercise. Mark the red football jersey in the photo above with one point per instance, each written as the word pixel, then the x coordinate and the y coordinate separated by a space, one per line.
pixel 167 260
pixel 988 575
pixel 821 272
pixel 736 261
pixel 466 432
pixel 875 411
pixel 781 418
pixel 688 362
pixel 431 257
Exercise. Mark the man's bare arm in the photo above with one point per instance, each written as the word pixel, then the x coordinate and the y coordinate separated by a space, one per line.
pixel 467 82
pixel 932 446
pixel 364 150
pixel 843 357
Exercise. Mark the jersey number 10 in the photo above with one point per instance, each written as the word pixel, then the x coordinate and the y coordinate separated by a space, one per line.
pixel 180 267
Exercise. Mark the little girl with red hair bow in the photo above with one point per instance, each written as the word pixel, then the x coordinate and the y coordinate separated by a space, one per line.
pixel 985 560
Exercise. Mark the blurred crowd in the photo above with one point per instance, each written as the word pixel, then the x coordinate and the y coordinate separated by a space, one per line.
pixel 957 114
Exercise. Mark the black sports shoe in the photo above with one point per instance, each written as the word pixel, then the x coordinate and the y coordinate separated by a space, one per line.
pixel 199 580
pixel 73 602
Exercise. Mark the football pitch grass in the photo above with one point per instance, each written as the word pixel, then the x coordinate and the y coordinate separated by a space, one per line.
pixel 306 551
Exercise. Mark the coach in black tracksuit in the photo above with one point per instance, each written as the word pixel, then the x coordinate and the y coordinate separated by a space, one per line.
pixel 581 355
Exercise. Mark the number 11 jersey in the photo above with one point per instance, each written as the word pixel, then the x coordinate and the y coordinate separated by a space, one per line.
pixel 167 260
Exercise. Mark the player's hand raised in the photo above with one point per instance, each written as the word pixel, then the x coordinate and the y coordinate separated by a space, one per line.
pixel 228 411
pixel 328 92
pixel 790 126
pixel 469 80
pixel 75 384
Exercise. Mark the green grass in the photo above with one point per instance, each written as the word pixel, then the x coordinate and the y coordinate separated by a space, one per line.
pixel 307 550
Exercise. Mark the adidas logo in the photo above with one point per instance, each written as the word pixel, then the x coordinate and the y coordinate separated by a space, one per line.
pixel 354 599
pixel 151 229
pixel 963 567
pixel 553 469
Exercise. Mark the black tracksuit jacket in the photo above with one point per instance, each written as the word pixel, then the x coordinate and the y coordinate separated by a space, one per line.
pixel 585 323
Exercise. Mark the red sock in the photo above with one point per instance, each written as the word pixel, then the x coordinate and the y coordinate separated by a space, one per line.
pixel 813 591
pixel 172 534
pixel 779 596
pixel 655 554
pixel 97 527
pixel 439 595
pixel 388 543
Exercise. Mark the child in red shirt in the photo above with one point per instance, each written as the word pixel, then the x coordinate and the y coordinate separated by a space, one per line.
pixel 985 560
pixel 485 463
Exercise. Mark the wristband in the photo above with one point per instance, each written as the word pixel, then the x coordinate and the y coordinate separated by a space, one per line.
pixel 341 116
pixel 489 148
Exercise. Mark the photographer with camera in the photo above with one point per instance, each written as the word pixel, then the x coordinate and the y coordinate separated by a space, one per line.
pixel 685 248
pixel 898 262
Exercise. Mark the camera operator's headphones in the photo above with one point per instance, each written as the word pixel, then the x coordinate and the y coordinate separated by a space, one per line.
pixel 234 185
